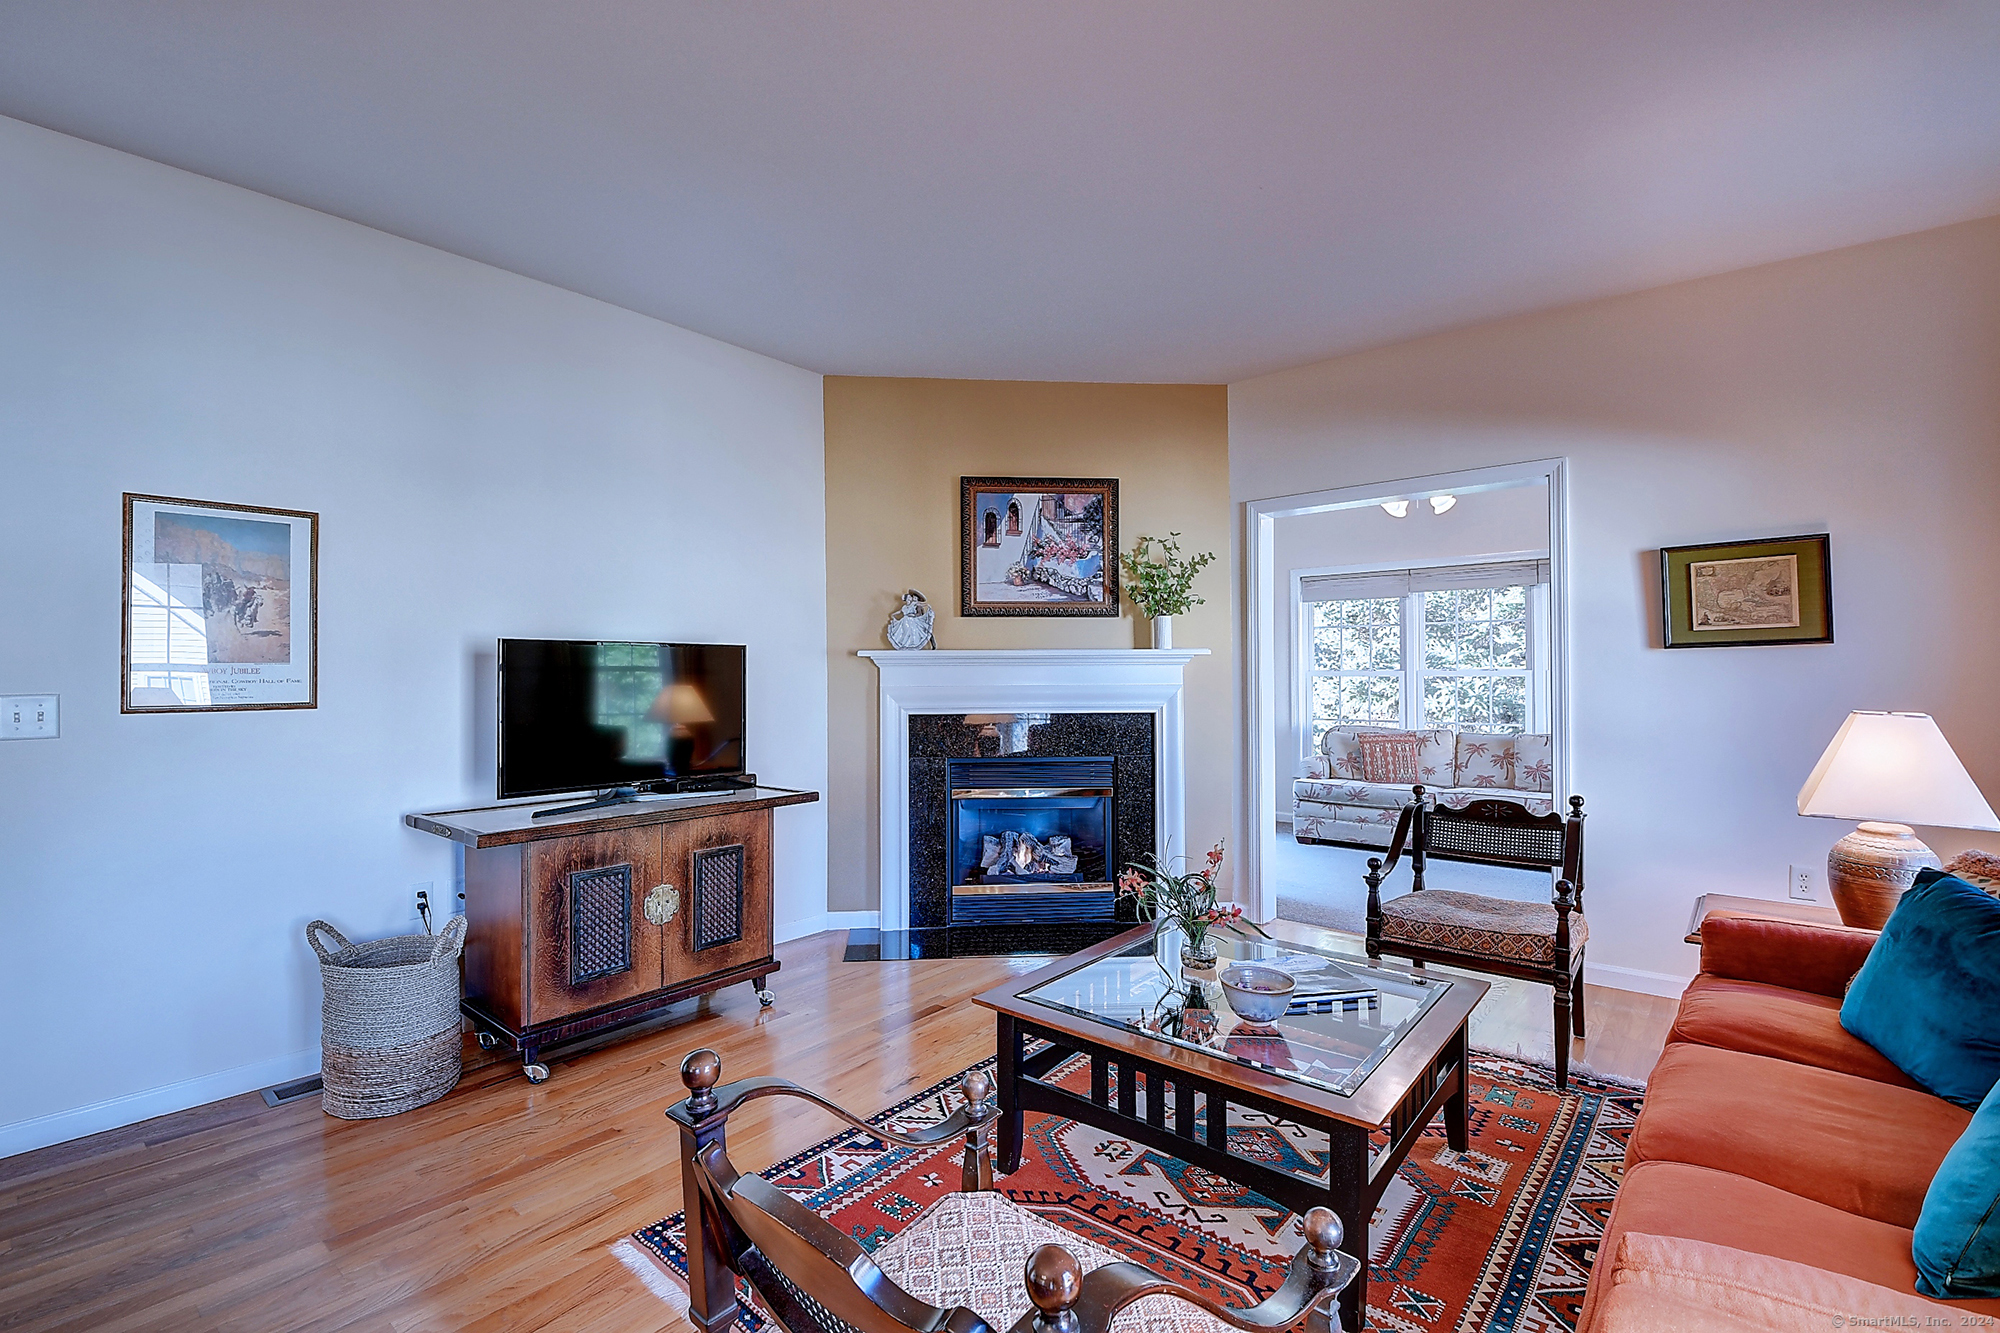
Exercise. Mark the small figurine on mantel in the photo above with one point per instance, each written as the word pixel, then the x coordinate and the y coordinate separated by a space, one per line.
pixel 910 624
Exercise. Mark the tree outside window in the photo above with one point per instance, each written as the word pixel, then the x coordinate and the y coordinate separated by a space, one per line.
pixel 1459 658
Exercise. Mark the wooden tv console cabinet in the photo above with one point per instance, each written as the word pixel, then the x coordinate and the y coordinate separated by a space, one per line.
pixel 587 922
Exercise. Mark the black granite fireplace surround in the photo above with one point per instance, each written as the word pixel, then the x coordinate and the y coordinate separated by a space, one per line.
pixel 1126 739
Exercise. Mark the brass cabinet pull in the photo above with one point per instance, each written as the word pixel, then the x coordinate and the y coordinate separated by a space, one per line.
pixel 662 903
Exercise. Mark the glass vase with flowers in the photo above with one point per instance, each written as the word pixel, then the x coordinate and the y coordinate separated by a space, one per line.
pixel 1186 901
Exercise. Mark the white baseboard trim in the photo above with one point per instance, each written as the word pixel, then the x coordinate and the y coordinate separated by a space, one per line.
pixel 62 1126
pixel 814 925
pixel 1664 984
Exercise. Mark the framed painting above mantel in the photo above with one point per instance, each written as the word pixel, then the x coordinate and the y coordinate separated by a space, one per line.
pixel 1038 546
pixel 1734 594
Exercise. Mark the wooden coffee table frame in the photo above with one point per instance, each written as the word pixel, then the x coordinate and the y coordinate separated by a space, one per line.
pixel 1424 1073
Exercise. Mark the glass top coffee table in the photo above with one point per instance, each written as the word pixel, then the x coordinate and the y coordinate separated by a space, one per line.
pixel 1367 1049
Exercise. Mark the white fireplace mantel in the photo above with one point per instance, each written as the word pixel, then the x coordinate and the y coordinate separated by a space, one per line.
pixel 1022 680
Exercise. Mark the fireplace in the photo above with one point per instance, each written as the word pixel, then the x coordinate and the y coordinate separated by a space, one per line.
pixel 943 708
pixel 1066 798
pixel 1031 838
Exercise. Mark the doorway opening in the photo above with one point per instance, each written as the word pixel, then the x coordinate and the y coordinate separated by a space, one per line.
pixel 1430 607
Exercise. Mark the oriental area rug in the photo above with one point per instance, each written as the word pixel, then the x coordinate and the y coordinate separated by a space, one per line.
pixel 1500 1237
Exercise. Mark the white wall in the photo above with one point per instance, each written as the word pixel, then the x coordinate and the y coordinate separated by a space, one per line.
pixel 489 456
pixel 1853 392
pixel 1512 519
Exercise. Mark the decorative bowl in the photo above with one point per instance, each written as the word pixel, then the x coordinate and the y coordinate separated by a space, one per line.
pixel 1257 994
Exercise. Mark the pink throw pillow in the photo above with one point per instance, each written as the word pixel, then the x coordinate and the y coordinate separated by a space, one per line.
pixel 1390 756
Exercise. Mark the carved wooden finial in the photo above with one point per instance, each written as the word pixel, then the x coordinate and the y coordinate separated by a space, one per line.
pixel 1323 1234
pixel 978 1087
pixel 699 1071
pixel 1054 1281
pixel 1418 791
pixel 1576 806
pixel 1564 890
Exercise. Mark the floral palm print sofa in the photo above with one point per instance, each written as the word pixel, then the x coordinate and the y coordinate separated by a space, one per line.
pixel 1336 802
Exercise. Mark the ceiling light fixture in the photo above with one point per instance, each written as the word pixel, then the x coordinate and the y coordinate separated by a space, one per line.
pixel 1396 508
pixel 1440 503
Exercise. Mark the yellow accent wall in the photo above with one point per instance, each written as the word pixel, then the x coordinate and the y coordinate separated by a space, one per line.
pixel 895 449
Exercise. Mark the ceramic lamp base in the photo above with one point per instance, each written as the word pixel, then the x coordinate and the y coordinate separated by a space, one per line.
pixel 1868 870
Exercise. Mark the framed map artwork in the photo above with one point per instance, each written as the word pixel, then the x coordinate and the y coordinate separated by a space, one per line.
pixel 1037 546
pixel 221 607
pixel 1731 594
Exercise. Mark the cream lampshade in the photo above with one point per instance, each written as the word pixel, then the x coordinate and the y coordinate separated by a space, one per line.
pixel 1889 770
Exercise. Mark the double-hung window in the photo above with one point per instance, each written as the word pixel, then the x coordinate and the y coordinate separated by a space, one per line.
pixel 1462 647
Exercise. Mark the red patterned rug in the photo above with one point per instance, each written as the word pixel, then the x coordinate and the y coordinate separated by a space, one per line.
pixel 1500 1237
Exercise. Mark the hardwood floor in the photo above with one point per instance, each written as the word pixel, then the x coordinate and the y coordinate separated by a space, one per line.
pixel 495 1208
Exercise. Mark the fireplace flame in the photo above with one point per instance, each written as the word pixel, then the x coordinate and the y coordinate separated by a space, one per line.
pixel 1024 859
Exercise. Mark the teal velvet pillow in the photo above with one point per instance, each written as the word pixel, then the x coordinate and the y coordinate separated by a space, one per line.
pixel 1928 996
pixel 1957 1244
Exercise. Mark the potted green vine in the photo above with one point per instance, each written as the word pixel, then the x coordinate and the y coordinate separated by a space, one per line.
pixel 1163 586
pixel 1187 901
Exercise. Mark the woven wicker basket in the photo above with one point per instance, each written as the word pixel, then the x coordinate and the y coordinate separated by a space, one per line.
pixel 389 1026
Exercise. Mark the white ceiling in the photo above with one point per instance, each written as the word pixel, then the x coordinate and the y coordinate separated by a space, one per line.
pixel 1058 189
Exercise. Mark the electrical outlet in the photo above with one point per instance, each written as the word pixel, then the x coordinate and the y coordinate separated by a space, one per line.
pixel 420 898
pixel 28 717
pixel 1800 883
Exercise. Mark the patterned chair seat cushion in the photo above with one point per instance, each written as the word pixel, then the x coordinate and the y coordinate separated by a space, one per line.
pixel 1339 823
pixel 1381 795
pixel 1482 927
pixel 1387 796
pixel 969 1249
pixel 1357 814
pixel 1529 801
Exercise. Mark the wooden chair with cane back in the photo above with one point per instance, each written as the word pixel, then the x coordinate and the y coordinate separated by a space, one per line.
pixel 1534 941
pixel 974 1262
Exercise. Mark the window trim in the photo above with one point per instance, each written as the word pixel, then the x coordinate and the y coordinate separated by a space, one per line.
pixel 1412 670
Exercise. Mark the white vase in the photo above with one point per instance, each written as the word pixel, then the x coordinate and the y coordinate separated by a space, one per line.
pixel 1163 631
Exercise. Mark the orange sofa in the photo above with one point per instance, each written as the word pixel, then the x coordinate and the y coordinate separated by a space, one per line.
pixel 1769 1130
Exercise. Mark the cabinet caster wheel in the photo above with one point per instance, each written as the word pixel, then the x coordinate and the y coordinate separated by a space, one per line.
pixel 537 1073
pixel 765 999
pixel 487 1041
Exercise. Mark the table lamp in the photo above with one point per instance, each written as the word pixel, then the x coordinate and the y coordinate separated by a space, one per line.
pixel 1889 770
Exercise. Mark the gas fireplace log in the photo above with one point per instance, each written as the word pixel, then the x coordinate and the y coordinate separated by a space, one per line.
pixel 1014 853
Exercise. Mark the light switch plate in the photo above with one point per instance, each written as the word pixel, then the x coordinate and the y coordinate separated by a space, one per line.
pixel 26 717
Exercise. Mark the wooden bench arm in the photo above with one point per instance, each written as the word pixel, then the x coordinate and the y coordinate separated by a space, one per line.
pixel 1066 1300
pixel 709 1105
pixel 707 1108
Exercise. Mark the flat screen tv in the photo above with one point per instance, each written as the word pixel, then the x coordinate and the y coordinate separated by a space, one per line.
pixel 591 716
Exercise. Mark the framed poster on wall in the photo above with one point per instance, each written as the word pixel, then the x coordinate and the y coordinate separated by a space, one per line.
pixel 221 606
pixel 1730 594
pixel 1037 546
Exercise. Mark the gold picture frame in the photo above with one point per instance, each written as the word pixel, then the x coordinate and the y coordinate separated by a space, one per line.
pixel 1772 590
pixel 1038 546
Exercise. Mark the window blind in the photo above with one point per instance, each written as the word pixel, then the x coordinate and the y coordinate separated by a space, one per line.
pixel 1437 578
